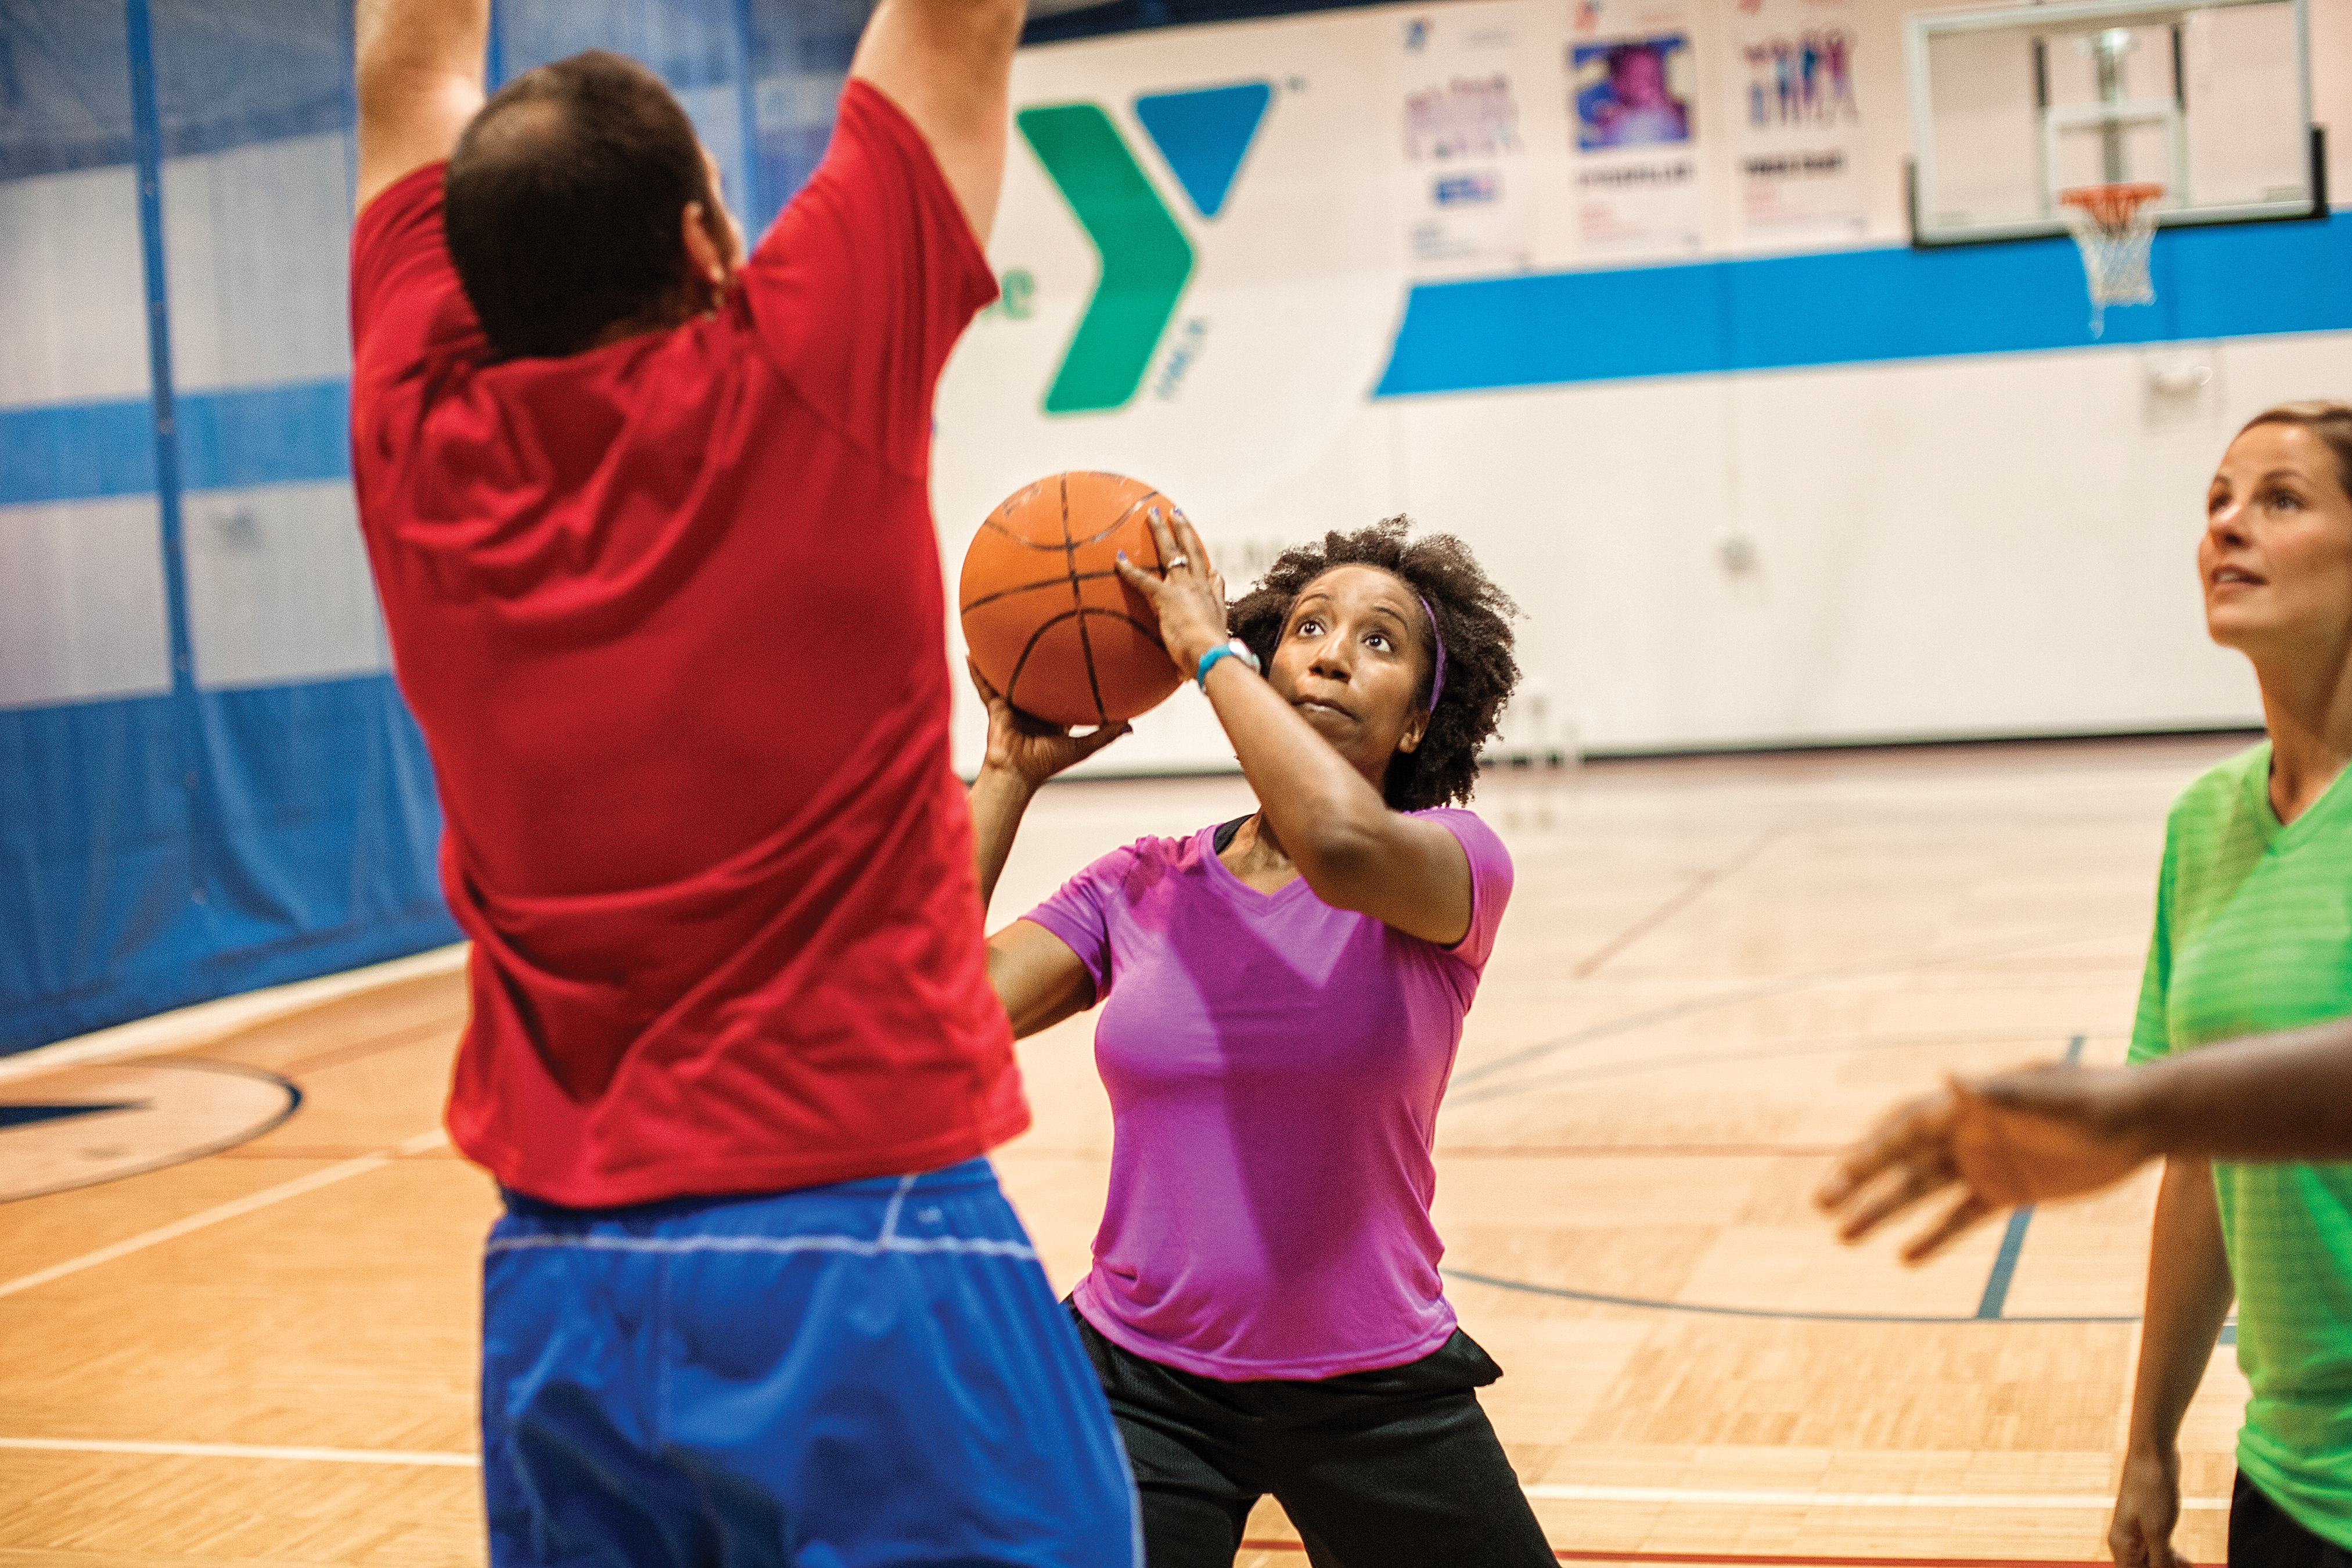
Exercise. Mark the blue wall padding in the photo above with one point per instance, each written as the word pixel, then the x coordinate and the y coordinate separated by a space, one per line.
pixel 1851 306
pixel 320 860
pixel 157 851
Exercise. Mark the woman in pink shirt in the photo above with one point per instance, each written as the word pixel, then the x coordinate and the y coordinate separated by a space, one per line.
pixel 1282 999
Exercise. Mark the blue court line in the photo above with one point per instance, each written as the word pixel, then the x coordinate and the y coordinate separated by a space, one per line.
pixel 226 440
pixel 1857 307
pixel 2004 1264
pixel 2012 1240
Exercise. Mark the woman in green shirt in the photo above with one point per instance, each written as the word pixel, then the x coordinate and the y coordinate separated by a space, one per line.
pixel 2253 934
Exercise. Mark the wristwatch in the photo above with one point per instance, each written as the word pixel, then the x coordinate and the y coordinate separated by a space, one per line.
pixel 1232 648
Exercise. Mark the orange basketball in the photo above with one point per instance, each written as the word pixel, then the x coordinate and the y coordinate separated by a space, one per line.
pixel 1044 614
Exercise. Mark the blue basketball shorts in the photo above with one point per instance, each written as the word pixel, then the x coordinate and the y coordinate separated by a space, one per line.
pixel 873 1373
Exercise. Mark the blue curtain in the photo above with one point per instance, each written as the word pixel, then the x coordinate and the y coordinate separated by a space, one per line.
pixel 208 781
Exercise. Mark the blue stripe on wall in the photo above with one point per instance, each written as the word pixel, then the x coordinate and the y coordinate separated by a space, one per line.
pixel 245 436
pixel 76 452
pixel 265 435
pixel 1859 306
pixel 1707 317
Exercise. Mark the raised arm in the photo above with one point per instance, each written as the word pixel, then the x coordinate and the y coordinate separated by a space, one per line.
pixel 419 70
pixel 948 64
pixel 1349 846
pixel 1352 849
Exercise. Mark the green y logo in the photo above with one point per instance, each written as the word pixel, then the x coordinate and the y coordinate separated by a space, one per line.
pixel 1145 257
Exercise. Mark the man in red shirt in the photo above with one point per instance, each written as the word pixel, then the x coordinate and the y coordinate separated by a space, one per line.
pixel 649 521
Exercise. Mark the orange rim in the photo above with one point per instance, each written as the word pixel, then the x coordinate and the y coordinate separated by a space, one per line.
pixel 2111 206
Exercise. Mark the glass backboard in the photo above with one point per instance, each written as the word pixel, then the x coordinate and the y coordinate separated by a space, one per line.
pixel 2012 105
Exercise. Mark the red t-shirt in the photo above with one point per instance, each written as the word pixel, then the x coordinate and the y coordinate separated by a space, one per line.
pixel 671 614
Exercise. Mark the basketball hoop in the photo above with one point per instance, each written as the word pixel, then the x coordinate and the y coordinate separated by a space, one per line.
pixel 2112 225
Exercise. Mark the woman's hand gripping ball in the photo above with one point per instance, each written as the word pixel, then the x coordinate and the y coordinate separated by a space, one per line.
pixel 1028 747
pixel 1188 595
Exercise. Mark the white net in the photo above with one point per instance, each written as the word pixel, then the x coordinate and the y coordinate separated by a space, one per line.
pixel 2112 226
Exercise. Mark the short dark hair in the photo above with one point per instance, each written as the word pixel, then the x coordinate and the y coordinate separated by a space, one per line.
pixel 2331 422
pixel 562 203
pixel 1473 615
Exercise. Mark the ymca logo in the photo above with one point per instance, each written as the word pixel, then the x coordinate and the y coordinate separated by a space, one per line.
pixel 1145 256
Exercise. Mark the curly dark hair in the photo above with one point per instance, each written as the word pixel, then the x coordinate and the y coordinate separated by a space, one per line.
pixel 1473 617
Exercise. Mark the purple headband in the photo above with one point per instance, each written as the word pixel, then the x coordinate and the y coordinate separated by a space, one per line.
pixel 1437 681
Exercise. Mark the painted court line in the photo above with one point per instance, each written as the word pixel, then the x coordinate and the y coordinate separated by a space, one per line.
pixel 233 1209
pixel 1845 1499
pixel 1564 1555
pixel 1541 1493
pixel 246 1451
pixel 2012 1240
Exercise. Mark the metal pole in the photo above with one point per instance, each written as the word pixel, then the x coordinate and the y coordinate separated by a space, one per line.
pixel 147 157
pixel 746 103
pixel 2108 48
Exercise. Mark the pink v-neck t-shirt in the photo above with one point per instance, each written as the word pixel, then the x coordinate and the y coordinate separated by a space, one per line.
pixel 1275 1066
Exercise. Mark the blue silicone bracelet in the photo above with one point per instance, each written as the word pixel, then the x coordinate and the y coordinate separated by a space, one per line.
pixel 1235 649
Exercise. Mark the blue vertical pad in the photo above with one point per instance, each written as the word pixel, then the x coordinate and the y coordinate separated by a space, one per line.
pixel 1205 135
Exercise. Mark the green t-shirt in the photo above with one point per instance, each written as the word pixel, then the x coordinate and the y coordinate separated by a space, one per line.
pixel 2253 933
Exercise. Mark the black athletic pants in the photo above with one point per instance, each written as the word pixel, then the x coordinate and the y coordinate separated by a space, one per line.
pixel 2263 1535
pixel 1375 1468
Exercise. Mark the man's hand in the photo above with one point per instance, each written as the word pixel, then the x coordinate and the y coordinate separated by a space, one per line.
pixel 2025 1137
pixel 419 68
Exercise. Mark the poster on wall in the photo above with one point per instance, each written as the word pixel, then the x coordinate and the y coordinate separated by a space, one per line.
pixel 1797 146
pixel 1631 73
pixel 1465 152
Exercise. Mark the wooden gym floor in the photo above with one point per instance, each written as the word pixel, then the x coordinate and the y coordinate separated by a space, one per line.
pixel 1714 973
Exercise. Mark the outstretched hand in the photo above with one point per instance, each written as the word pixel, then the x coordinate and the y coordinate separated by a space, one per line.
pixel 2025 1137
pixel 1028 747
pixel 1187 594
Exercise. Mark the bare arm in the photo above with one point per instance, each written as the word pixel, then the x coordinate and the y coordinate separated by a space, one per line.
pixel 2048 1132
pixel 948 64
pixel 2188 1295
pixel 1038 980
pixel 1352 849
pixel 419 70
pixel 2278 1097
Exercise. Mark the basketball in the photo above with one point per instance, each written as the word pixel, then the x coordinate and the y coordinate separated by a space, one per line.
pixel 1044 614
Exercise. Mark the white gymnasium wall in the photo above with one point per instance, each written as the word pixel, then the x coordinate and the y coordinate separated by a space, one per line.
pixel 1980 544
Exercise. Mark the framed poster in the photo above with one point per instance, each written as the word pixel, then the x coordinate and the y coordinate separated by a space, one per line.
pixel 1632 90
pixel 1798 142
